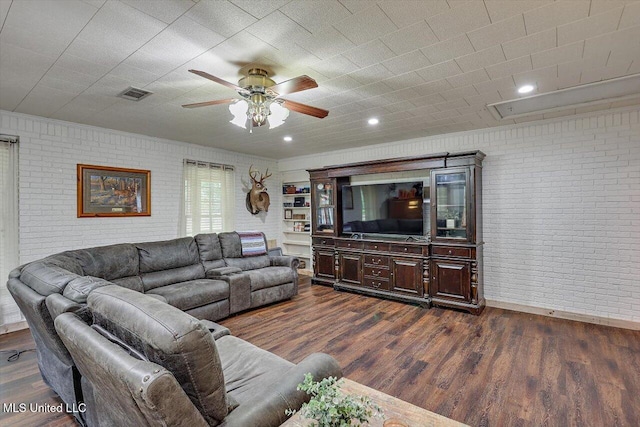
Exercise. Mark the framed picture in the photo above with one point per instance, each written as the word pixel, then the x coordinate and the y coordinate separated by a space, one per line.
pixel 288 213
pixel 107 191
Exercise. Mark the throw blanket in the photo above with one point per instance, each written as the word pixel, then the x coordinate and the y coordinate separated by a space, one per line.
pixel 252 243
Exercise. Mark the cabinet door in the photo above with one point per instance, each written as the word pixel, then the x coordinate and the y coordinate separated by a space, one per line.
pixel 451 280
pixel 406 276
pixel 325 264
pixel 323 201
pixel 451 204
pixel 350 268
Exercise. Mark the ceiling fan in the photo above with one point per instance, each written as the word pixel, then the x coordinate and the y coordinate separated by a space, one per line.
pixel 261 98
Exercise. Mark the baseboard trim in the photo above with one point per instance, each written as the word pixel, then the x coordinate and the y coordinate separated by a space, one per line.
pixel 12 327
pixel 605 321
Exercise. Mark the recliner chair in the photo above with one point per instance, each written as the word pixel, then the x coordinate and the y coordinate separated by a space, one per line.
pixel 144 362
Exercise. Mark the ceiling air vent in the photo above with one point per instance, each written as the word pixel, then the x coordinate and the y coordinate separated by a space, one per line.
pixel 134 94
pixel 579 96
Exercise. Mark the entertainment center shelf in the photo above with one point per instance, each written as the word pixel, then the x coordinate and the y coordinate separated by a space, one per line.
pixel 407 229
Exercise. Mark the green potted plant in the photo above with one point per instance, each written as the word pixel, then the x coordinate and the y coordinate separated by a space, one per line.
pixel 329 407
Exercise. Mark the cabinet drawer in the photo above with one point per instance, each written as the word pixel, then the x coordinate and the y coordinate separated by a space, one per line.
pixel 376 246
pixel 323 241
pixel 348 244
pixel 406 249
pixel 451 251
pixel 376 283
pixel 376 272
pixel 377 260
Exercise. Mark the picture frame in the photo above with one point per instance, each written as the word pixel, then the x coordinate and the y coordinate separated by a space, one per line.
pixel 105 191
pixel 288 214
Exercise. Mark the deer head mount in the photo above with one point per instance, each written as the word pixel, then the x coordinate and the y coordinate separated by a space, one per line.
pixel 257 197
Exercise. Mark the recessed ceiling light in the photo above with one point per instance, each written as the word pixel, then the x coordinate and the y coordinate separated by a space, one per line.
pixel 526 89
pixel 287 139
pixel 373 121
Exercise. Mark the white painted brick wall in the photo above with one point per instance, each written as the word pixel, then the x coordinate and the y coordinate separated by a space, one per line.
pixel 49 153
pixel 561 205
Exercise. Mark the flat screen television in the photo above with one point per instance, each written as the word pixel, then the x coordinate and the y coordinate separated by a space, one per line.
pixel 389 208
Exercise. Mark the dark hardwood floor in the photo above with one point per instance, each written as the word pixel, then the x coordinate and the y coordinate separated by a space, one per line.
pixel 501 368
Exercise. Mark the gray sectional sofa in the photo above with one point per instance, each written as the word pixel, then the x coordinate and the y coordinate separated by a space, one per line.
pixel 205 276
pixel 146 363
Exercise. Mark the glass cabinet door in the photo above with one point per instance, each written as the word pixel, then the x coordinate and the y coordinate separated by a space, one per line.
pixel 324 206
pixel 450 201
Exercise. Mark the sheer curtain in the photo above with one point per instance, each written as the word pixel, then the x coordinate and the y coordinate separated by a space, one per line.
pixel 9 311
pixel 208 199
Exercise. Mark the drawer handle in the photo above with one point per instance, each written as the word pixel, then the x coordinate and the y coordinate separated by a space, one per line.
pixel 376 285
pixel 348 244
pixel 405 249
pixel 375 247
pixel 376 273
pixel 324 241
pixel 449 251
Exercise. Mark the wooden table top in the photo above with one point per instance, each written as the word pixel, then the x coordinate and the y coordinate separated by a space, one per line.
pixel 411 415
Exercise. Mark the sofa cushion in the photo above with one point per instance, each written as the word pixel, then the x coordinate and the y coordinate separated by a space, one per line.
pixel 210 251
pixel 174 275
pixel 270 276
pixel 169 337
pixel 46 278
pixel 108 262
pixel 131 282
pixel 230 244
pixel 249 371
pixel 168 254
pixel 250 263
pixel 66 261
pixel 194 293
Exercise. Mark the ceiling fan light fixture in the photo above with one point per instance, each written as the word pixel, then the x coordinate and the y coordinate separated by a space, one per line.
pixel 278 115
pixel 239 111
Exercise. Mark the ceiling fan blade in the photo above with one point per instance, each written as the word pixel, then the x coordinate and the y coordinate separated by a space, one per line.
pixel 305 109
pixel 215 79
pixel 206 103
pixel 296 84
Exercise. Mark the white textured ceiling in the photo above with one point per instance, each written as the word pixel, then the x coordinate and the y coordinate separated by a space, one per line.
pixel 423 67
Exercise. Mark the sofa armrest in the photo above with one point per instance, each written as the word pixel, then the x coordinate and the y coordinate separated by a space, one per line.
pixel 217 330
pixel 239 292
pixel 79 289
pixel 215 273
pixel 284 261
pixel 277 251
pixel 58 304
pixel 269 408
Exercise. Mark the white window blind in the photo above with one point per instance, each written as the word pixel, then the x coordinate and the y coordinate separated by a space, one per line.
pixel 208 198
pixel 9 311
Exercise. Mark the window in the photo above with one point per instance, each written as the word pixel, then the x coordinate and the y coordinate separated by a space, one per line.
pixel 208 198
pixel 9 311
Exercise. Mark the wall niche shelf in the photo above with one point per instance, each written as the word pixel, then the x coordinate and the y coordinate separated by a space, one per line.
pixel 296 221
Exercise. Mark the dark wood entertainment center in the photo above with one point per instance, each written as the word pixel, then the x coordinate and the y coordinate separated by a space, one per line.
pixel 443 267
